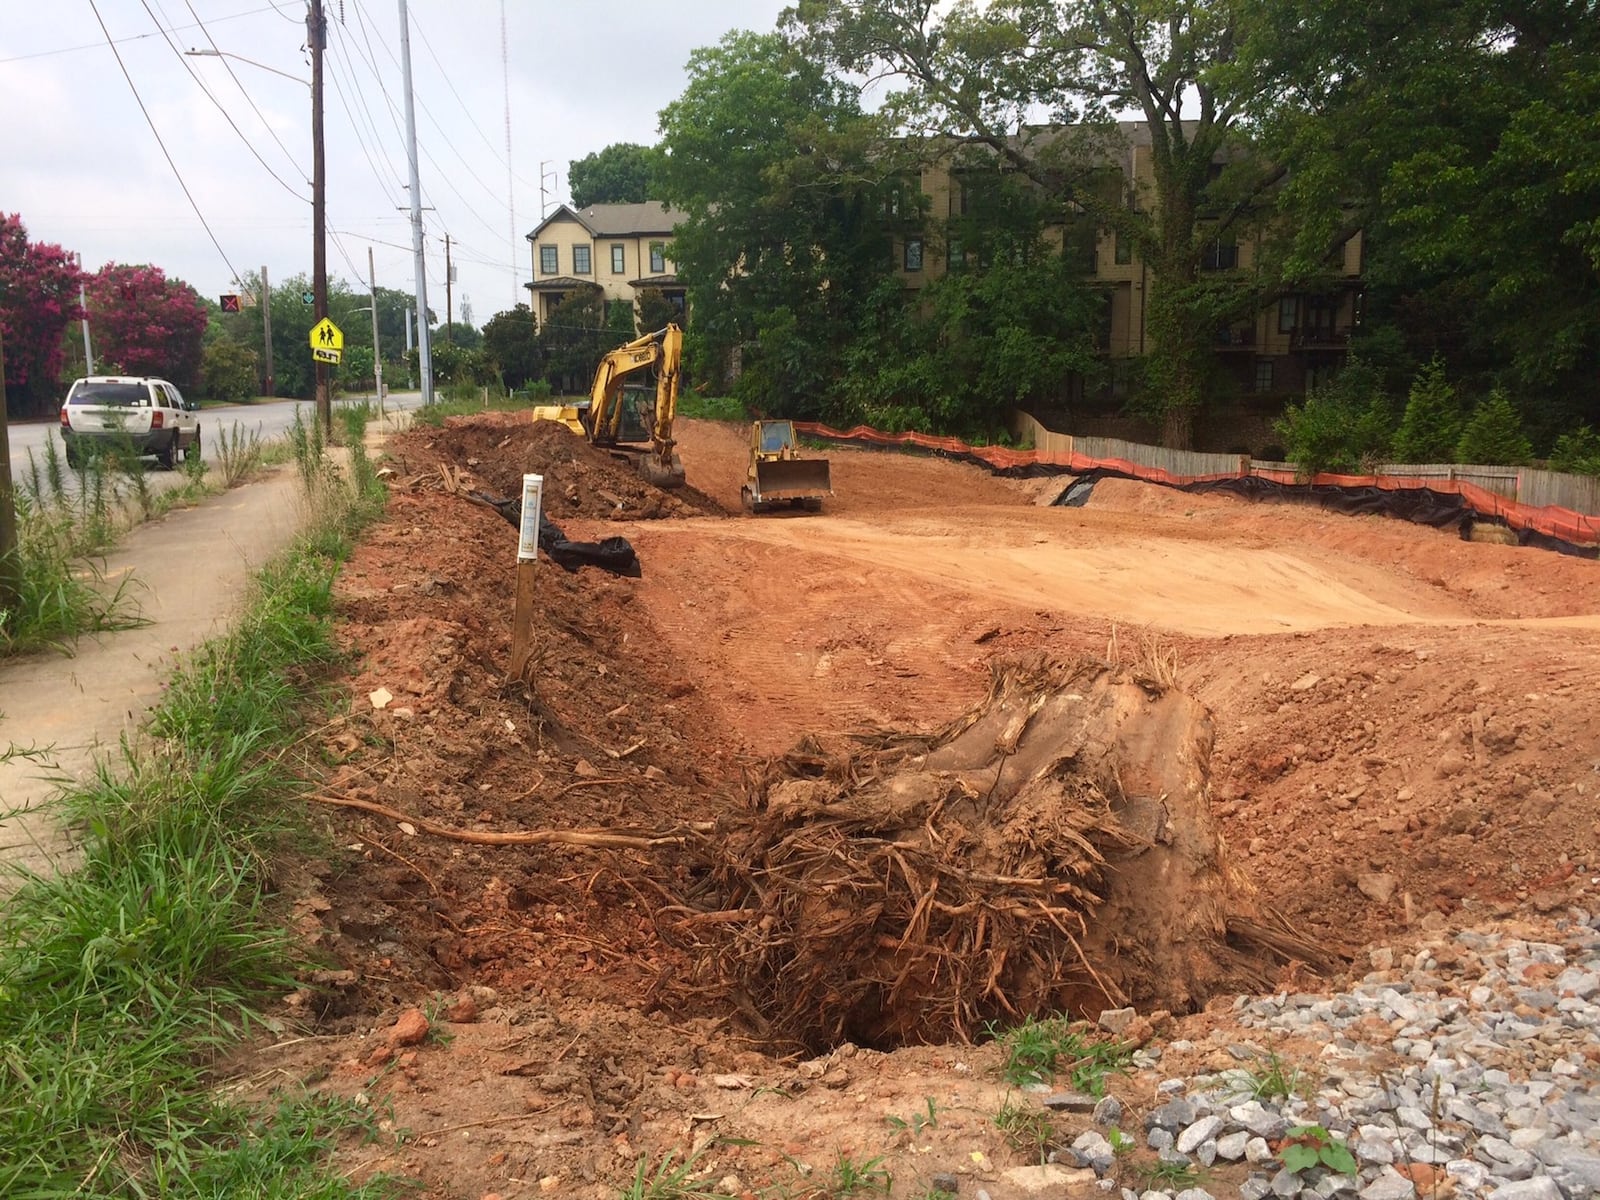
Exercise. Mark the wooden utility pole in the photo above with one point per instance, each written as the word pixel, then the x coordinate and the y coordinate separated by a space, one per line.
pixel 377 346
pixel 269 382
pixel 449 280
pixel 316 31
pixel 10 566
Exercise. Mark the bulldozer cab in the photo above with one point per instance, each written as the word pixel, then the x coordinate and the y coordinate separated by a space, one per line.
pixel 774 437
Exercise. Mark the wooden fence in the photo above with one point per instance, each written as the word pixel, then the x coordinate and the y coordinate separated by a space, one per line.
pixel 1524 485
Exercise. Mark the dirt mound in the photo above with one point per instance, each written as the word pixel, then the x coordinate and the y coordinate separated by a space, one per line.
pixel 498 449
pixel 1050 850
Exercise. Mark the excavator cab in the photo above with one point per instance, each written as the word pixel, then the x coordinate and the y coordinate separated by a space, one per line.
pixel 618 415
pixel 779 475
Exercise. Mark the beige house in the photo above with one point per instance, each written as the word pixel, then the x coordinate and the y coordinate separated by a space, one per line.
pixel 1293 344
pixel 619 248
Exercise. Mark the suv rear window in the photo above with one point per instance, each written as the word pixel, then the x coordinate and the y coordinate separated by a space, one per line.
pixel 127 395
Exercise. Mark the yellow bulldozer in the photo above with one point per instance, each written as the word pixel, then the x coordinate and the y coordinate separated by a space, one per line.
pixel 778 474
pixel 620 418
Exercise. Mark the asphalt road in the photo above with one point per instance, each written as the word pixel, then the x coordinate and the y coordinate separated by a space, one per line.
pixel 271 420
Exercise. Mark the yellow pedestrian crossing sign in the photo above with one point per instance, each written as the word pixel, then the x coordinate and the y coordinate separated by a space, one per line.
pixel 325 335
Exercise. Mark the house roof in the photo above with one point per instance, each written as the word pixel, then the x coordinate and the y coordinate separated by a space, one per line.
pixel 656 281
pixel 559 283
pixel 616 220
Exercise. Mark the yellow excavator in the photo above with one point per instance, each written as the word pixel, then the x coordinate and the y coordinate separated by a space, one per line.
pixel 780 474
pixel 617 417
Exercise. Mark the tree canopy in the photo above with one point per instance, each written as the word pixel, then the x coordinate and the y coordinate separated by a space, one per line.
pixel 981 76
pixel 622 173
pixel 782 240
pixel 145 324
pixel 38 300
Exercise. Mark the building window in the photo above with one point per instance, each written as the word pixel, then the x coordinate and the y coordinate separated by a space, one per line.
pixel 619 259
pixel 955 256
pixel 580 260
pixel 1124 252
pixel 1220 256
pixel 658 258
pixel 1288 313
pixel 913 255
pixel 1263 375
pixel 549 264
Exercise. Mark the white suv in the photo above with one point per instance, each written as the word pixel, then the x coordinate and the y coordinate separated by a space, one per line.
pixel 148 416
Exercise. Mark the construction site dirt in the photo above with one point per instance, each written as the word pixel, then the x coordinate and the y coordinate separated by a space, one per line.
pixel 610 887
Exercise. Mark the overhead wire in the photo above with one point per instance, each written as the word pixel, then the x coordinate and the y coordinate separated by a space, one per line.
pixel 393 183
pixel 249 145
pixel 372 63
pixel 117 54
pixel 250 100
pixel 137 37
pixel 445 75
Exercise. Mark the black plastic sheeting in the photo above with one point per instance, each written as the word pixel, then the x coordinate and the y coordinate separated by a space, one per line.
pixel 1422 506
pixel 614 554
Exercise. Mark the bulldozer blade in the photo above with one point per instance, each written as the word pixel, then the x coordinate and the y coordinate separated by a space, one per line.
pixel 793 479
pixel 668 474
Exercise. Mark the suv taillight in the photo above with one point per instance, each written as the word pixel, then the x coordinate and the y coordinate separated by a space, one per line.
pixel 65 423
pixel 155 419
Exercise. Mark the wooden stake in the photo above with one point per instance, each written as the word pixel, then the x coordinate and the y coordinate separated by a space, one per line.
pixel 527 556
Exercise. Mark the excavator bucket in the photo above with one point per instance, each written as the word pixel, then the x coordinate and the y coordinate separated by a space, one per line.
pixel 783 479
pixel 662 473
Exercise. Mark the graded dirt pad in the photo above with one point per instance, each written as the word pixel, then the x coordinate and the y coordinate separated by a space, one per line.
pixel 1405 735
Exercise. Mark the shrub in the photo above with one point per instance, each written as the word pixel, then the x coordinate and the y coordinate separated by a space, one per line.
pixel 1431 426
pixel 1578 452
pixel 1493 436
pixel 1342 427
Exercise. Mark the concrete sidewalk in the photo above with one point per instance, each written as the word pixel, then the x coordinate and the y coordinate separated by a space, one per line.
pixel 189 572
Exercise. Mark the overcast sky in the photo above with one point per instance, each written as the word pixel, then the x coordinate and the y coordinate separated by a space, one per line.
pixel 82 166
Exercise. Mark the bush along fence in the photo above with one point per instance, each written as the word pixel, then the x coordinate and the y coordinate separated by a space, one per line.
pixel 1542 508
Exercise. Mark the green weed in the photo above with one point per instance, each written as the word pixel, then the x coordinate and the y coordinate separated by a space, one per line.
pixel 1275 1079
pixel 1171 1176
pixel 120 982
pixel 1037 1051
pixel 238 453
pixel 917 1122
pixel 712 408
pixel 850 1178
pixel 671 1179
pixel 1025 1129
pixel 1307 1146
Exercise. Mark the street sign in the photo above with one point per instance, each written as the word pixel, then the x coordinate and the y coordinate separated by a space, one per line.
pixel 318 354
pixel 308 298
pixel 325 335
pixel 230 303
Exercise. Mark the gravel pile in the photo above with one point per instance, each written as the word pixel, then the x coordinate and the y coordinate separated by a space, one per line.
pixel 1467 1069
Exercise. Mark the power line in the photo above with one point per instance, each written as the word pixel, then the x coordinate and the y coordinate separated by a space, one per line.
pixel 117 54
pixel 504 162
pixel 223 59
pixel 137 37
pixel 355 126
pixel 226 116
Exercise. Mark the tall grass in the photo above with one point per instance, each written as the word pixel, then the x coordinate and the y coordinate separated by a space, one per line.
pixel 120 982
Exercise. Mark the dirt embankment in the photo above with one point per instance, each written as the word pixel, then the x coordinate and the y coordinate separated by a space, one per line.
pixel 1404 732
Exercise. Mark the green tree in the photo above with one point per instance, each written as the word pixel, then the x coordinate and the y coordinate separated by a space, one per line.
pixel 622 173
pixel 979 75
pixel 573 339
pixel 1493 435
pixel 1461 134
pixel 783 235
pixel 229 371
pixel 1431 425
pixel 1577 451
pixel 459 334
pixel 511 343
pixel 655 311
pixel 619 319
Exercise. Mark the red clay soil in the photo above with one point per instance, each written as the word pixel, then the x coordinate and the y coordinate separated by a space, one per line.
pixel 1405 724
